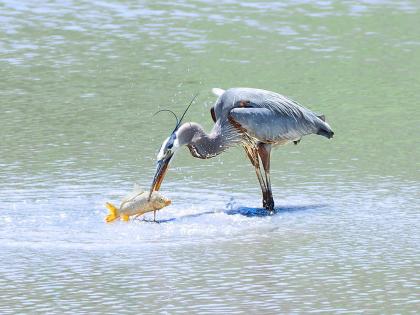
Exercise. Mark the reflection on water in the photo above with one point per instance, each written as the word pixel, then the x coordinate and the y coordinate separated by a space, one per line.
pixel 80 83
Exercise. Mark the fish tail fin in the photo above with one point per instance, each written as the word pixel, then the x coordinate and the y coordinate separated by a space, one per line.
pixel 113 212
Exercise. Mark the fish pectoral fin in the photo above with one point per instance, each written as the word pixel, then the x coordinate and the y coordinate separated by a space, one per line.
pixel 125 217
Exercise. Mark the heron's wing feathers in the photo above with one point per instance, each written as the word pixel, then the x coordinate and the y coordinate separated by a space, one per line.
pixel 272 116
pixel 276 103
pixel 268 125
pixel 268 116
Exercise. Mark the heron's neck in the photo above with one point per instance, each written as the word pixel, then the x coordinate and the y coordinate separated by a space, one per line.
pixel 204 145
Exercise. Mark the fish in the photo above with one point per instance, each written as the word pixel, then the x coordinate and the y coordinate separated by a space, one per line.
pixel 136 204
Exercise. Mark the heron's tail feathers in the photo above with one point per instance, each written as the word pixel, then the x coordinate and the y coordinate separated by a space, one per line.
pixel 113 213
pixel 324 129
pixel 328 133
pixel 322 117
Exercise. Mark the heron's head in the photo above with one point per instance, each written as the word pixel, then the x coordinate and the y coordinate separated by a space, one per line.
pixel 166 152
pixel 180 137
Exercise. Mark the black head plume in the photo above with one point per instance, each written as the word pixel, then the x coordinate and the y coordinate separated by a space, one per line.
pixel 178 121
pixel 168 110
pixel 182 117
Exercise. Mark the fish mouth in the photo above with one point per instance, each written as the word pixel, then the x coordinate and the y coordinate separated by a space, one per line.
pixel 161 169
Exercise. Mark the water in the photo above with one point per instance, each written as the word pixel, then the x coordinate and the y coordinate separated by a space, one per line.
pixel 80 82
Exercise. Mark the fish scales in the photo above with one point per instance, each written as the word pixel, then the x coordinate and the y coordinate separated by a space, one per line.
pixel 135 204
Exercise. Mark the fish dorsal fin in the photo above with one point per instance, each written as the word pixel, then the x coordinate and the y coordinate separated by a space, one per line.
pixel 217 91
pixel 137 190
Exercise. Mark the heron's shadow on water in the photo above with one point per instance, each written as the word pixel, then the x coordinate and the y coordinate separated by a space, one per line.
pixel 250 212
pixel 261 212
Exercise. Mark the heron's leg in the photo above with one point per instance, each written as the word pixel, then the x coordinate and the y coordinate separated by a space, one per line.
pixel 264 151
pixel 253 157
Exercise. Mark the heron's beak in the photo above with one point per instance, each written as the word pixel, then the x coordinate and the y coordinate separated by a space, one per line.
pixel 162 167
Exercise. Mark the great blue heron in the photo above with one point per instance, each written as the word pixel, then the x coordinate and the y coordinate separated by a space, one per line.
pixel 254 118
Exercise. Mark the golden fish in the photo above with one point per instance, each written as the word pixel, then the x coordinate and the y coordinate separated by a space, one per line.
pixel 136 204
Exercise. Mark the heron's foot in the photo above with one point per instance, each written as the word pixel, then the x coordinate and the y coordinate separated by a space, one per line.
pixel 268 205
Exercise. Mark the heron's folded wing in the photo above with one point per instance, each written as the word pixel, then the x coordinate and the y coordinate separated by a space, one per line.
pixel 269 125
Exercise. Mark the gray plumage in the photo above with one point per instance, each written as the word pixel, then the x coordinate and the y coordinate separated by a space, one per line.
pixel 203 145
pixel 257 119
pixel 268 116
pixel 246 115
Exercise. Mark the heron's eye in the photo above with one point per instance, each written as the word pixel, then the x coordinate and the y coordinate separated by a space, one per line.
pixel 171 141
